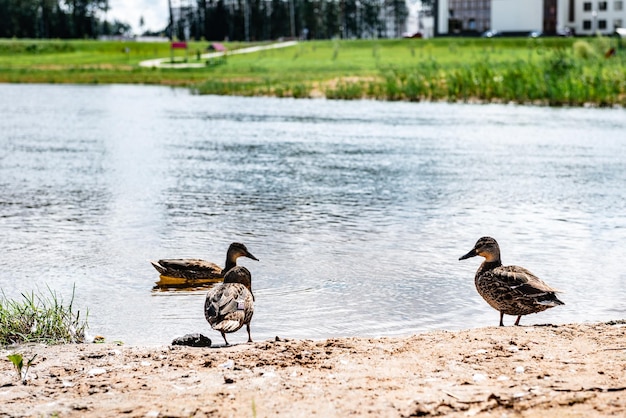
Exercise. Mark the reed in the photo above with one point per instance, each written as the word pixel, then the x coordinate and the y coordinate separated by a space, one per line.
pixel 344 90
pixel 267 87
pixel 556 79
pixel 38 317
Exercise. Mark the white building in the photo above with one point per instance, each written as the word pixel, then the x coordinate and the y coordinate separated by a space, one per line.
pixel 517 15
pixel 582 17
pixel 594 16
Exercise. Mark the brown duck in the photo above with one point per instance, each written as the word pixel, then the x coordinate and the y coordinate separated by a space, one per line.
pixel 230 305
pixel 511 290
pixel 196 269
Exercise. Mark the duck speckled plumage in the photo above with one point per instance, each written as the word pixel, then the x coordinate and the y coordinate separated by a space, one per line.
pixel 511 290
pixel 230 305
pixel 197 269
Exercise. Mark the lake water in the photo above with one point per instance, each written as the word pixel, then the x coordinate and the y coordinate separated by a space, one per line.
pixel 358 211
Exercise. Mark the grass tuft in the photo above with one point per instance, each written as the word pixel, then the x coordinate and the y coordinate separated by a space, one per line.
pixel 40 318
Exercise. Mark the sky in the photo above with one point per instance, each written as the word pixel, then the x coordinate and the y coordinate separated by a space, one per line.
pixel 155 13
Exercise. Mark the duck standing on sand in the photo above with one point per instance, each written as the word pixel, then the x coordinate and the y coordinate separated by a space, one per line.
pixel 196 269
pixel 512 290
pixel 230 305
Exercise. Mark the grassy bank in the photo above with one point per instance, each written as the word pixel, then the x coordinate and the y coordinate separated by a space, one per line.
pixel 555 71
pixel 39 317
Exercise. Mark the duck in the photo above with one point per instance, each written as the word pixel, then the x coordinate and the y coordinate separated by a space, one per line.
pixel 511 290
pixel 197 269
pixel 230 305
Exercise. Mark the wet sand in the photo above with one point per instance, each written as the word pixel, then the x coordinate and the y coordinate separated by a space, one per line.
pixel 575 370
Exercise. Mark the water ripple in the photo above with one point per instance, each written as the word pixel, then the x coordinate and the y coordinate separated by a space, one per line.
pixel 358 211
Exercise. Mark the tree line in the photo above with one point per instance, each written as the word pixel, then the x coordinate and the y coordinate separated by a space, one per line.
pixel 57 19
pixel 236 20
pixel 252 20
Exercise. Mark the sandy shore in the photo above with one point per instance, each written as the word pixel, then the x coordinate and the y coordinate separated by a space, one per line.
pixel 558 371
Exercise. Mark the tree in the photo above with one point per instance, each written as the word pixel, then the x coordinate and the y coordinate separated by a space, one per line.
pixel 216 22
pixel 331 19
pixel 279 18
pixel 372 25
pixel 399 12
pixel 310 18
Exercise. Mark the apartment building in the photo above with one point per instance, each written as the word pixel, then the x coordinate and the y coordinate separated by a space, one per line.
pixel 518 17
pixel 595 16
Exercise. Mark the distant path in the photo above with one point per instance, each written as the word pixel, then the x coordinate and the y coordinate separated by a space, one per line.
pixel 165 62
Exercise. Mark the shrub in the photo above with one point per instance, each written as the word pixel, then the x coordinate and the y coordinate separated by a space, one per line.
pixel 583 50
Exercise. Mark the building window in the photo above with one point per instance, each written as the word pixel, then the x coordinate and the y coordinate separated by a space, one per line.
pixel 602 5
pixel 618 5
pixel 587 24
pixel 617 23
pixel 601 24
pixel 587 6
pixel 470 14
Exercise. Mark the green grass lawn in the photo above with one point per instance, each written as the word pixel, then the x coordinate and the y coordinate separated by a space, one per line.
pixel 557 71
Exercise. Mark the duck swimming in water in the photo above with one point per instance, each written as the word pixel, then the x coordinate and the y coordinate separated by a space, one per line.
pixel 511 290
pixel 230 305
pixel 196 269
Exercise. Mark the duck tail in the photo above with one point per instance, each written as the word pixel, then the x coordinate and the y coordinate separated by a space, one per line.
pixel 227 326
pixel 551 302
pixel 158 267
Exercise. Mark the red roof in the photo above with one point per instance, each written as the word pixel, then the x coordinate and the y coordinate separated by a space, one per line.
pixel 217 47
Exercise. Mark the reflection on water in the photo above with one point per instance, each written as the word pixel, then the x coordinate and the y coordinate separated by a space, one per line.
pixel 166 283
pixel 358 211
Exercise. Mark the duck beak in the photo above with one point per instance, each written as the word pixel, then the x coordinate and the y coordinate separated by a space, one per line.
pixel 472 253
pixel 249 255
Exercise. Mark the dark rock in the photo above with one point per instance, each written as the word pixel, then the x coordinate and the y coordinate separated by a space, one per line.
pixel 193 340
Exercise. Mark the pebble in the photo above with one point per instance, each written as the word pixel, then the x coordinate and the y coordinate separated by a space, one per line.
pixel 193 340
pixel 479 377
pixel 96 371
pixel 520 369
pixel 228 364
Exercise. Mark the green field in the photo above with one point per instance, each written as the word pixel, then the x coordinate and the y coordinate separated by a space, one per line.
pixel 555 71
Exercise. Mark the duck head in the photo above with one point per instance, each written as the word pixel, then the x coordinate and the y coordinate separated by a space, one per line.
pixel 236 250
pixel 485 247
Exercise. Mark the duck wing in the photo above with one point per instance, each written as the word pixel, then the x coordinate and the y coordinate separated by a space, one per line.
pixel 228 307
pixel 525 285
pixel 188 268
